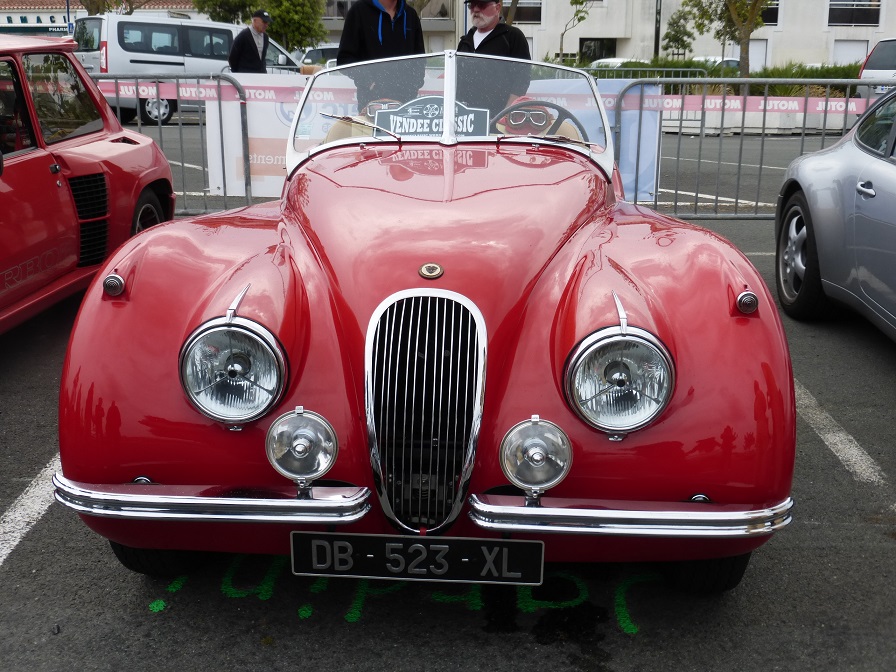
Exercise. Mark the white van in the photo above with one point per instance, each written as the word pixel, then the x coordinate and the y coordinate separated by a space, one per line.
pixel 150 46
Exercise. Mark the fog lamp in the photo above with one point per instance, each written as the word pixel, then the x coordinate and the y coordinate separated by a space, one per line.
pixel 301 445
pixel 535 455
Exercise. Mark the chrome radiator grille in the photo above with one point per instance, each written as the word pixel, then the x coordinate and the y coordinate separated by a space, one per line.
pixel 425 368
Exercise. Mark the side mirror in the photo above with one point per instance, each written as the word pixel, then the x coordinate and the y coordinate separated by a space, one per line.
pixel 281 59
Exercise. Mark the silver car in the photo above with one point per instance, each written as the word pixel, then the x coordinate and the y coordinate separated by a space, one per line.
pixel 835 225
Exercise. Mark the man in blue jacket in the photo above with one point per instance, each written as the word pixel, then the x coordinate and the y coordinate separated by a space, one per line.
pixel 381 29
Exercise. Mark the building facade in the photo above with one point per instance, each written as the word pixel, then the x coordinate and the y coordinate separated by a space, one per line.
pixel 800 31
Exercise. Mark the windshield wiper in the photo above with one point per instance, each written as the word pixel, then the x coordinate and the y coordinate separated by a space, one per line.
pixel 360 122
pixel 554 138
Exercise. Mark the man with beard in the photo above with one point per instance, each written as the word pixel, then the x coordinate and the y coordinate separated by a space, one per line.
pixel 492 36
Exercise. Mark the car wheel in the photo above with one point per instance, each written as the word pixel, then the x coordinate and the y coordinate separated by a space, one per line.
pixel 148 212
pixel 162 563
pixel 797 275
pixel 709 577
pixel 152 109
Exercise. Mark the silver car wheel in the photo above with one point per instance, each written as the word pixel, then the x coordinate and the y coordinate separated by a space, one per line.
pixel 793 256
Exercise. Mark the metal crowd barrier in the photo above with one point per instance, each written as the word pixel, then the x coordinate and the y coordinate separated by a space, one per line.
pixel 184 139
pixel 724 144
pixel 721 144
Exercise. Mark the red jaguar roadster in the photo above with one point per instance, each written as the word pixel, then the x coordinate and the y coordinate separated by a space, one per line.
pixel 451 351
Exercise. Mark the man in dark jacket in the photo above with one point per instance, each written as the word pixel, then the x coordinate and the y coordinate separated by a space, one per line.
pixel 250 46
pixel 490 35
pixel 382 29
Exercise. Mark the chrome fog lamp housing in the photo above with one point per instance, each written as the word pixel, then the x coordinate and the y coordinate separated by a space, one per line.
pixel 535 455
pixel 620 379
pixel 233 370
pixel 301 445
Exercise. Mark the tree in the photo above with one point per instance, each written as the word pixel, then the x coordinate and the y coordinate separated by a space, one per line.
pixel 731 21
pixel 679 38
pixel 295 23
pixel 580 9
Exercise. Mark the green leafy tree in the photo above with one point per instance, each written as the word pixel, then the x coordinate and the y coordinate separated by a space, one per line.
pixel 295 23
pixel 580 9
pixel 730 20
pixel 679 38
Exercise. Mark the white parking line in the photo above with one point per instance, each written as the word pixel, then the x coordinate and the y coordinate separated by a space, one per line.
pixel 863 468
pixel 27 509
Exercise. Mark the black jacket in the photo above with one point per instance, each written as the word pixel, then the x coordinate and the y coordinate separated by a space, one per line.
pixel 504 40
pixel 244 54
pixel 369 34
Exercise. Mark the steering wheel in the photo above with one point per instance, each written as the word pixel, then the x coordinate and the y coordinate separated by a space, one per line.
pixel 562 115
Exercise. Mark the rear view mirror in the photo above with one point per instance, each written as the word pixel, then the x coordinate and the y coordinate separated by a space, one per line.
pixel 281 59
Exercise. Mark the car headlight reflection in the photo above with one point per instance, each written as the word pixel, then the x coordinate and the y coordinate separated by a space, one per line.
pixel 232 371
pixel 535 455
pixel 301 445
pixel 620 382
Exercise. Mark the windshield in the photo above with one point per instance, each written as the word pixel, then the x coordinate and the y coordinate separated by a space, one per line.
pixel 450 98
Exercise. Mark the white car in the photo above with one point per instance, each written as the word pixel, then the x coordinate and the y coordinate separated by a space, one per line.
pixel 617 62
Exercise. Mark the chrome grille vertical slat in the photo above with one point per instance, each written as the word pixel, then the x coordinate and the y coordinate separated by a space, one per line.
pixel 425 364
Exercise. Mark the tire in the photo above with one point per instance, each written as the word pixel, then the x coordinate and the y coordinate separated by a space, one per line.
pixel 709 577
pixel 157 562
pixel 148 212
pixel 125 115
pixel 797 274
pixel 152 108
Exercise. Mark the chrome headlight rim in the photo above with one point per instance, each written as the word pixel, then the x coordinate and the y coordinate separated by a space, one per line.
pixel 264 337
pixel 601 338
pixel 305 479
pixel 511 437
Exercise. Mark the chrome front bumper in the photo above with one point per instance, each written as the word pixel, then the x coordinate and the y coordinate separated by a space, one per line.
pixel 640 519
pixel 193 503
pixel 329 505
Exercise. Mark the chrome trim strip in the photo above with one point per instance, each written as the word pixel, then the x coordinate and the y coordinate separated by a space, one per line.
pixel 175 502
pixel 692 520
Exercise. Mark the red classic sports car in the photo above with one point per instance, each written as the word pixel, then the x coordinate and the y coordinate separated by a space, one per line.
pixel 73 184
pixel 450 352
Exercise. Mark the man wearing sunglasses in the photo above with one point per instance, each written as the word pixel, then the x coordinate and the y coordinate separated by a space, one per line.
pixel 492 36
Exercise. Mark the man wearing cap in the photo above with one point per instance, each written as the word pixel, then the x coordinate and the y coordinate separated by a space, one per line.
pixel 251 45
pixel 490 35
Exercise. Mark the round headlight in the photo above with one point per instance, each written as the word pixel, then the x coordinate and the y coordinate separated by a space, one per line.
pixel 301 445
pixel 535 454
pixel 620 382
pixel 232 370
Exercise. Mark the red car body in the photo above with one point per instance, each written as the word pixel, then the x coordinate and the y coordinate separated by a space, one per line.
pixel 74 184
pixel 536 241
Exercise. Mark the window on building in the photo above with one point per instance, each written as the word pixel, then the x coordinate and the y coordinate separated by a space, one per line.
pixel 527 11
pixel 593 48
pixel 854 13
pixel 770 13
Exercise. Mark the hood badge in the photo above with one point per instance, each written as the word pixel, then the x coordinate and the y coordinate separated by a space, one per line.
pixel 431 271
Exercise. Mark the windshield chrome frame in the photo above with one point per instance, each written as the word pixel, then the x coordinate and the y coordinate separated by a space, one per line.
pixel 604 159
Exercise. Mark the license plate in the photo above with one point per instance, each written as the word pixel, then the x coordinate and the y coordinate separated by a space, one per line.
pixel 452 559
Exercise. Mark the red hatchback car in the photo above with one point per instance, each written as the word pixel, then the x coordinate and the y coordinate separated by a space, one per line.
pixel 450 352
pixel 73 184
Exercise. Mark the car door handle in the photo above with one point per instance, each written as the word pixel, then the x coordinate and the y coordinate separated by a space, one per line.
pixel 866 189
pixel 54 168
